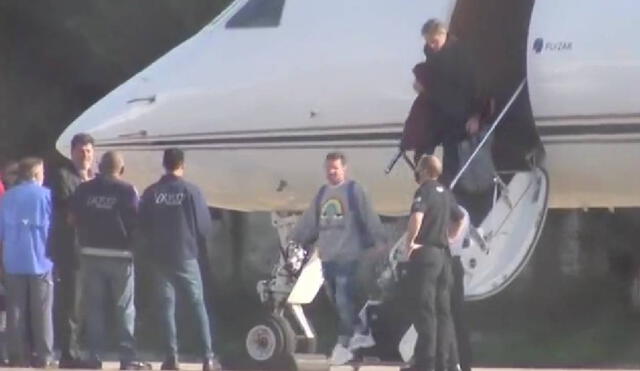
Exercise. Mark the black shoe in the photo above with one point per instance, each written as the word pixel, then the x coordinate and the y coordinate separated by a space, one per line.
pixel 170 363
pixel 72 363
pixel 211 364
pixel 135 365
pixel 414 368
pixel 92 364
pixel 67 363
pixel 18 363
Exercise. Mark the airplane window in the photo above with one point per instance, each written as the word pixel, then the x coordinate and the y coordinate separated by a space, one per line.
pixel 258 14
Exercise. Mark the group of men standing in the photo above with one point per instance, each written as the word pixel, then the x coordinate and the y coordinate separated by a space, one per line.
pixel 93 220
pixel 79 233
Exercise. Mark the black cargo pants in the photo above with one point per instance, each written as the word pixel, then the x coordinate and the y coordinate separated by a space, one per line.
pixel 429 282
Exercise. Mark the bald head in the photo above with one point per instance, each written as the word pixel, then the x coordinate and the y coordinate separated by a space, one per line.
pixel 428 167
pixel 111 164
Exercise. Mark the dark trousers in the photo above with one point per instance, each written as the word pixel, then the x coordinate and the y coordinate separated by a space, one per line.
pixel 108 282
pixel 67 305
pixel 450 162
pixel 457 311
pixel 477 204
pixel 429 281
pixel 29 305
pixel 184 279
pixel 340 282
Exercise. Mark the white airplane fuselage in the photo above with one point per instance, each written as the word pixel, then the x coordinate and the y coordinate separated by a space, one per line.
pixel 257 108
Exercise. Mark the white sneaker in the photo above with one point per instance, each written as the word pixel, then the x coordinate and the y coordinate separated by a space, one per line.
pixel 361 341
pixel 340 355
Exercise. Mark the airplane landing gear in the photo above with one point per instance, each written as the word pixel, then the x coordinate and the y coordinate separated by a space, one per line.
pixel 272 339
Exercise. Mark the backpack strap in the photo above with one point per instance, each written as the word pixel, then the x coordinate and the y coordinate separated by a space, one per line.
pixel 317 202
pixel 363 231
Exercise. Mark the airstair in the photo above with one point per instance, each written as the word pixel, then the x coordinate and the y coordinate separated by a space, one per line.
pixel 494 252
pixel 497 250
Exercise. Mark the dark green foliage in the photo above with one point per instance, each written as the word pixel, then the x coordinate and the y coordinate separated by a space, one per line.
pixel 59 57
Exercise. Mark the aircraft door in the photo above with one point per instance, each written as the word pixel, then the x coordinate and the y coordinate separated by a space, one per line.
pixel 497 248
pixel 493 254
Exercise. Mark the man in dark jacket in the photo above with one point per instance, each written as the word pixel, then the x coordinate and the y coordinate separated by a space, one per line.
pixel 62 248
pixel 104 211
pixel 176 222
pixel 451 93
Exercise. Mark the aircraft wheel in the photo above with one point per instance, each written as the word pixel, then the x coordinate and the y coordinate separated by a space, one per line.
pixel 270 342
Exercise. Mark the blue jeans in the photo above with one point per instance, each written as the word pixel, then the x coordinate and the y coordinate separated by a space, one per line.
pixel 108 278
pixel 340 282
pixel 184 277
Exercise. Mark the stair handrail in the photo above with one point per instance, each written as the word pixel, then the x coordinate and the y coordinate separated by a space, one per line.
pixel 497 121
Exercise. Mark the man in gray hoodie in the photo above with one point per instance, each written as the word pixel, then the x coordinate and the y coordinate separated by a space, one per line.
pixel 341 223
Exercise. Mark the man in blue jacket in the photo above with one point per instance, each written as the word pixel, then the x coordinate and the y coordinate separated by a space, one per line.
pixel 104 212
pixel 175 220
pixel 25 217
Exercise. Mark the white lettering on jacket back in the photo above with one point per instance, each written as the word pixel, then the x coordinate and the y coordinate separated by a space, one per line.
pixel 101 202
pixel 169 199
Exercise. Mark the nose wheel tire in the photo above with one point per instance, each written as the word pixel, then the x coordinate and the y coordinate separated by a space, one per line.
pixel 270 342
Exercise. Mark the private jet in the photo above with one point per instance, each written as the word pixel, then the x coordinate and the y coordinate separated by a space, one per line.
pixel 263 92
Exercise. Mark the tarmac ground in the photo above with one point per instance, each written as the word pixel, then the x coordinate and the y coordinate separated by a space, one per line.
pixel 385 367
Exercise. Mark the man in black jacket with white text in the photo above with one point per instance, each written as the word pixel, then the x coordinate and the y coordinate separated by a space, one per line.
pixel 104 212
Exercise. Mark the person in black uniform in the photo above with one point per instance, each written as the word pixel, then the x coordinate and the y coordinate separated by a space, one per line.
pixel 104 212
pixel 435 216
pixel 176 222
